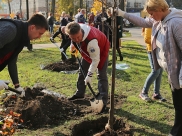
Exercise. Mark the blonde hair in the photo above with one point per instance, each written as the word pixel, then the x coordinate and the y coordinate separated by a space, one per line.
pixel 156 5
pixel 79 9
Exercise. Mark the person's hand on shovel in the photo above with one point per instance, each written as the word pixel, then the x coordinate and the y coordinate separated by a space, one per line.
pixel 52 39
pixel 88 78
pixel 20 89
pixel 73 50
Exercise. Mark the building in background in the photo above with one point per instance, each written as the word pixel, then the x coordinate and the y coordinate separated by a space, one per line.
pixel 135 5
pixel 4 10
pixel 35 6
pixel 43 6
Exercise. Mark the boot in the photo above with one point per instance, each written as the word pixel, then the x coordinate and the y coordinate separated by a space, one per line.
pixel 120 55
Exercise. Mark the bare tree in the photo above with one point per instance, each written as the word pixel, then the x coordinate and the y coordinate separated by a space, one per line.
pixel 47 8
pixel 8 1
pixel 53 7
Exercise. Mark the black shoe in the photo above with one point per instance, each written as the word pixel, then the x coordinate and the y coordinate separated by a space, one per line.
pixel 74 97
pixel 158 97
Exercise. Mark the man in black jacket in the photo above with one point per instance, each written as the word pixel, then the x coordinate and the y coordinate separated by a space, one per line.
pixel 50 21
pixel 14 35
pixel 66 41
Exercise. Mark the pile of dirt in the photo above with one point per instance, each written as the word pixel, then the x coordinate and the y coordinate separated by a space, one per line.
pixel 67 65
pixel 41 107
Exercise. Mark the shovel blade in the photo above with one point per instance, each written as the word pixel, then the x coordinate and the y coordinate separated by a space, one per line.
pixel 97 104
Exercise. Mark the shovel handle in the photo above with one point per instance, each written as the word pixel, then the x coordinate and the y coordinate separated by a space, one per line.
pixel 14 90
pixel 81 68
pixel 59 49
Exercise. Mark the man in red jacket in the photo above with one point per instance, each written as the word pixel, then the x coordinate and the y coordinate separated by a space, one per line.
pixel 94 48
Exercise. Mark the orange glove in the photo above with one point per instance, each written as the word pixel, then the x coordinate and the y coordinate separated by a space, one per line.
pixel 73 50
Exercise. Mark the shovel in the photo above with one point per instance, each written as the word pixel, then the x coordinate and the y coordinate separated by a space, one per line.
pixel 59 49
pixel 96 102
pixel 22 94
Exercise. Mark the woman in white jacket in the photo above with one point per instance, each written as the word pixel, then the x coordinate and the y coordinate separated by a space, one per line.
pixel 166 24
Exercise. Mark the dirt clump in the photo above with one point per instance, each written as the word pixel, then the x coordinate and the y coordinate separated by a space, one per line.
pixel 67 65
pixel 38 108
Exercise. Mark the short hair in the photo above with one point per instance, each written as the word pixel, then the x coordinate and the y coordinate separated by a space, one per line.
pixel 39 21
pixel 72 28
pixel 155 5
pixel 79 9
pixel 63 12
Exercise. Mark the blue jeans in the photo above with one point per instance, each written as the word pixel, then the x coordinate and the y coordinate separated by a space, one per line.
pixel 51 29
pixel 154 77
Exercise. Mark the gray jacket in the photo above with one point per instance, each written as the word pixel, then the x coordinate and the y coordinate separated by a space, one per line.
pixel 167 40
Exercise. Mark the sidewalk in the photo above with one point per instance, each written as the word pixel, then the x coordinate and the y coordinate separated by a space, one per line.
pixel 135 35
pixel 49 45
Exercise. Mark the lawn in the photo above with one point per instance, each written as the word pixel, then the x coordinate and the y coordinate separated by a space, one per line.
pixel 147 119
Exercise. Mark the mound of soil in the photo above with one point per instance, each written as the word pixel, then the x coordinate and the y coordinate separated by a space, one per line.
pixel 41 107
pixel 67 65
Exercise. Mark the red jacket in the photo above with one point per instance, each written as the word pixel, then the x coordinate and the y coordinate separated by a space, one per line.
pixel 102 42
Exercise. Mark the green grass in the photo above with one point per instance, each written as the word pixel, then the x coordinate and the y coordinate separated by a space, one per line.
pixel 147 119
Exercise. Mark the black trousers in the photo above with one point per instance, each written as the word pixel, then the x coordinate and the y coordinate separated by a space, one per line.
pixel 102 81
pixel 177 102
pixel 65 44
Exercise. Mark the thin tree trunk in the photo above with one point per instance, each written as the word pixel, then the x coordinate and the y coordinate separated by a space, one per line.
pixel 53 7
pixel 9 7
pixel 20 8
pixel 47 8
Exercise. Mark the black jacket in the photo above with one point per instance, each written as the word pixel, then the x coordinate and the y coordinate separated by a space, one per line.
pixel 14 47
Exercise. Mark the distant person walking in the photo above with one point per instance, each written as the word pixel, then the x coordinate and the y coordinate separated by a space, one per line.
pixel 50 21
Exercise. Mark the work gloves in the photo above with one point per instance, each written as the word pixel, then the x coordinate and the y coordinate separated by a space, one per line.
pixel 118 11
pixel 20 89
pixel 88 78
pixel 61 49
pixel 52 39
pixel 3 84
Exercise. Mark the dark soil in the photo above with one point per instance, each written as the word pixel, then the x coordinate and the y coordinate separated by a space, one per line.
pixel 40 108
pixel 68 65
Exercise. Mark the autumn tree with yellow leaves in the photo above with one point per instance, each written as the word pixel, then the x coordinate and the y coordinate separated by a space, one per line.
pixel 96 6
pixel 64 5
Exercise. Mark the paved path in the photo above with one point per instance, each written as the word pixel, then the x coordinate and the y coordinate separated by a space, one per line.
pixel 135 35
pixel 49 45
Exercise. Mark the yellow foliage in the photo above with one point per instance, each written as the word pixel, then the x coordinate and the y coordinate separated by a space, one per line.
pixel 96 6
